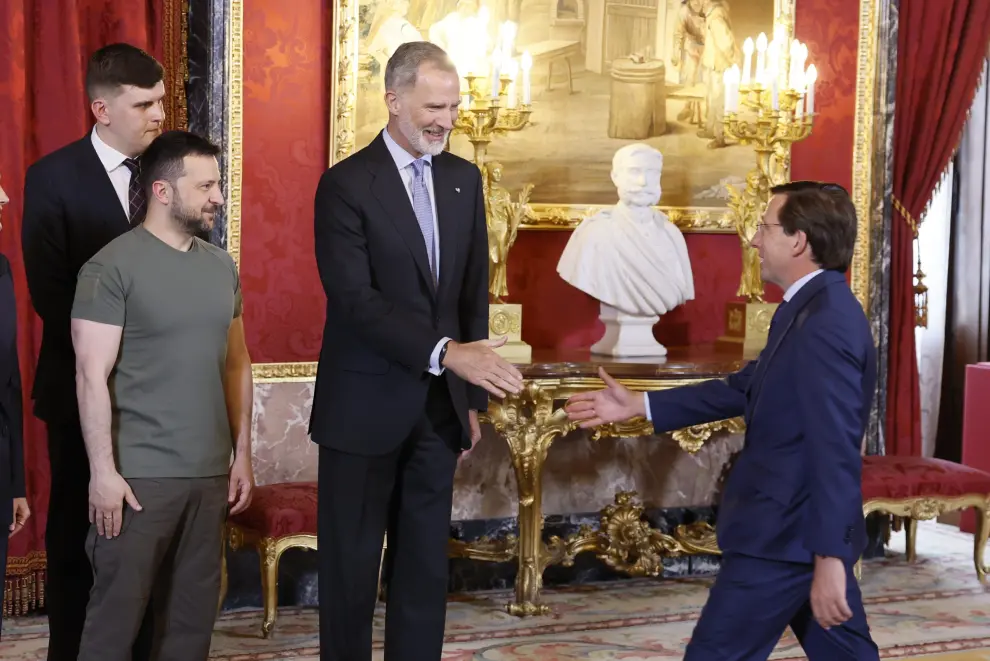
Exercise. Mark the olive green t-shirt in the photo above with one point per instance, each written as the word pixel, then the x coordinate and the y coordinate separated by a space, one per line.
pixel 166 388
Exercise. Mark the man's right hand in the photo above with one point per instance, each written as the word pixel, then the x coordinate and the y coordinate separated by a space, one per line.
pixel 477 363
pixel 614 404
pixel 107 493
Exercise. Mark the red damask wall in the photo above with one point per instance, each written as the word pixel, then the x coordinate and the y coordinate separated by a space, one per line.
pixel 287 51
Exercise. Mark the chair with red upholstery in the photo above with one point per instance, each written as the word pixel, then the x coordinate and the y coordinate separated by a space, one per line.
pixel 280 517
pixel 921 488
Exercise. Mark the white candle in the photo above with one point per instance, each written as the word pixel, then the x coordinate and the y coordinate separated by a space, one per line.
pixel 761 54
pixel 511 70
pixel 496 84
pixel 811 77
pixel 748 61
pixel 527 64
pixel 773 89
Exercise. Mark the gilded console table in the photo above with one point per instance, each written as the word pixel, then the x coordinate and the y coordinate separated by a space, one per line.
pixel 530 422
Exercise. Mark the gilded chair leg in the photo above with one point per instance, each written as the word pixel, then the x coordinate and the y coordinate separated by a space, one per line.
pixel 858 569
pixel 268 557
pixel 980 542
pixel 911 539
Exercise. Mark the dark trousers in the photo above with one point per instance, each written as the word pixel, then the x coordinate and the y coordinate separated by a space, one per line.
pixel 70 576
pixel 409 493
pixel 170 549
pixel 4 532
pixel 753 601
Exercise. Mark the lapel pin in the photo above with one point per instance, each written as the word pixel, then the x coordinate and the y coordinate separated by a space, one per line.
pixel 457 189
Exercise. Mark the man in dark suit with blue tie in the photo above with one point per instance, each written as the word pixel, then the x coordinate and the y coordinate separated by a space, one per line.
pixel 406 363
pixel 790 523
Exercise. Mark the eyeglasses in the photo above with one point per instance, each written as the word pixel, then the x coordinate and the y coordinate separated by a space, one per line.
pixel 760 227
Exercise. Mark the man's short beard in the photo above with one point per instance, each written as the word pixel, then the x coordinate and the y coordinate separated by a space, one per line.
pixel 190 221
pixel 416 140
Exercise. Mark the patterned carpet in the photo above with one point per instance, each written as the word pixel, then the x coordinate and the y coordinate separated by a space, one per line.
pixel 934 610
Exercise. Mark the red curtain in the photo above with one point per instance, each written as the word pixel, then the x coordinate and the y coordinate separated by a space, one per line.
pixel 43 106
pixel 940 51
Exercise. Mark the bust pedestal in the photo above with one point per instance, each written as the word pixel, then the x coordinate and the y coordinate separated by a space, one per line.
pixel 627 335
pixel 505 319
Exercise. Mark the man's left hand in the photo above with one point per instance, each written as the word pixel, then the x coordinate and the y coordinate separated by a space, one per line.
pixel 241 485
pixel 21 514
pixel 828 593
pixel 475 433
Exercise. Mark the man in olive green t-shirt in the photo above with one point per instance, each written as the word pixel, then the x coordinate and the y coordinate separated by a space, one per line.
pixel 164 389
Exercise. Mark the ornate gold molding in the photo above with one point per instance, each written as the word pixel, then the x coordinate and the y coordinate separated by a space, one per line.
pixel 554 217
pixel 235 126
pixel 175 61
pixel 691 439
pixel 626 542
pixel 862 168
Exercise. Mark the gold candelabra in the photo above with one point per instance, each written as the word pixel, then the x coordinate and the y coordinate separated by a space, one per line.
pixel 496 104
pixel 770 110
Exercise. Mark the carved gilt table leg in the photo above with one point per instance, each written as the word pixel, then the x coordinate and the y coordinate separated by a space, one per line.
pixel 529 424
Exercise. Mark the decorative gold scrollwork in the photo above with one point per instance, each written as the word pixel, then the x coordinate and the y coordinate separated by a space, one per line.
pixel 626 542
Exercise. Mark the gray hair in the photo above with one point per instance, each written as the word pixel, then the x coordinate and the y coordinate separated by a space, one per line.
pixel 402 67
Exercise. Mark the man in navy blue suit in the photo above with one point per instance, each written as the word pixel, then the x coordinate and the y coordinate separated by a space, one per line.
pixel 790 524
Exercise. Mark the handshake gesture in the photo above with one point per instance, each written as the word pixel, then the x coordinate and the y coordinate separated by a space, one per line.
pixel 477 363
pixel 614 404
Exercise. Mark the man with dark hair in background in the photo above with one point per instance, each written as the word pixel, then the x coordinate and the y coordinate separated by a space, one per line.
pixel 165 392
pixel 76 200
pixel 790 523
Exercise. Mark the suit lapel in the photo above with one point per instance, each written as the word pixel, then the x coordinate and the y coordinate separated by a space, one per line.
pixel 782 325
pixel 387 186
pixel 97 180
pixel 449 209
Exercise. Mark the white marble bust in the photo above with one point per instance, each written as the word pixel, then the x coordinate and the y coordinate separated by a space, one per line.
pixel 630 258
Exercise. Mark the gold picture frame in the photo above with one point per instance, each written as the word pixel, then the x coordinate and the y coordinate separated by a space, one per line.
pixel 346 108
pixel 556 217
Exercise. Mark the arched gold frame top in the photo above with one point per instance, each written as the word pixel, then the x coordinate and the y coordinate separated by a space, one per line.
pixel 344 74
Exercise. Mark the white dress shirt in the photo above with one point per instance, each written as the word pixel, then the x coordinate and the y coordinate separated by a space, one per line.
pixel 120 174
pixel 788 295
pixel 403 161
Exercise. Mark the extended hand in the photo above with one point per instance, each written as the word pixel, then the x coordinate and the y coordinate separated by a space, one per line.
pixel 614 404
pixel 476 363
pixel 241 485
pixel 21 514
pixel 828 593
pixel 107 493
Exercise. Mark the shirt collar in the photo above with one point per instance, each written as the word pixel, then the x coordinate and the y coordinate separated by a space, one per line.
pixel 402 158
pixel 110 157
pixel 794 288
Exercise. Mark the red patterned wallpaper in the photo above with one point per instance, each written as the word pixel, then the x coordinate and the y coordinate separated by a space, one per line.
pixel 286 119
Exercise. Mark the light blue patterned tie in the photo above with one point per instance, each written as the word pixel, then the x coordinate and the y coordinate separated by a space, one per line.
pixel 424 212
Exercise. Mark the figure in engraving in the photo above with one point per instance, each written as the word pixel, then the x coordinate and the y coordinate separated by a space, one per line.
pixel 689 43
pixel 630 257
pixel 721 52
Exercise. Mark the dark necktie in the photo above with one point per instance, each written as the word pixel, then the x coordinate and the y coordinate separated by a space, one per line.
pixel 136 201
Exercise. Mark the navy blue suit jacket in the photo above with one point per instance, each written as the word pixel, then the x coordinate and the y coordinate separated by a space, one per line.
pixel 794 491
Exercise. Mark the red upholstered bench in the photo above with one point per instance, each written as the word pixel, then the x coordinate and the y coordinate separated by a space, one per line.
pixel 280 517
pixel 919 488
